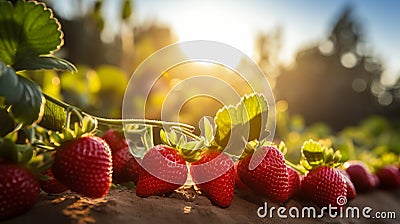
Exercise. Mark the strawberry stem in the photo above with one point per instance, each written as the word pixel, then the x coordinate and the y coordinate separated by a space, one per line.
pixel 299 169
pixel 118 122
pixel 188 133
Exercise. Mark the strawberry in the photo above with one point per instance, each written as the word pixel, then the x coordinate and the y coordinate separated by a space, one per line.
pixel 84 166
pixel 389 177
pixel 115 140
pixel 238 182
pixel 19 190
pixel 51 186
pixel 163 170
pixel 361 177
pixel 351 190
pixel 214 174
pixel 270 177
pixel 294 181
pixel 324 185
pixel 132 170
pixel 120 160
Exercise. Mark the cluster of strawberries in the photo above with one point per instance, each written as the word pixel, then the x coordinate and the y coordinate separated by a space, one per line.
pixel 88 164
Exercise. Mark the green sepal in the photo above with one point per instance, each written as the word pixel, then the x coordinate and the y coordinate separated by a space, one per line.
pixel 189 150
pixel 316 154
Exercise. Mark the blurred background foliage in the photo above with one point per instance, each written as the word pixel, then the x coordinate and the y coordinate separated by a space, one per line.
pixel 332 91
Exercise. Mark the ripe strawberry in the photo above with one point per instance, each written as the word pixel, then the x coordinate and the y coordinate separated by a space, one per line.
pixel 324 185
pixel 294 182
pixel 120 159
pixel 361 177
pixel 163 170
pixel 214 174
pixel 19 190
pixel 351 190
pixel 389 177
pixel 115 140
pixel 52 186
pixel 270 177
pixel 84 166
pixel 238 182
pixel 132 170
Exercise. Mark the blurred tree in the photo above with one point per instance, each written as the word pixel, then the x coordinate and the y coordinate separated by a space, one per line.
pixel 268 46
pixel 337 81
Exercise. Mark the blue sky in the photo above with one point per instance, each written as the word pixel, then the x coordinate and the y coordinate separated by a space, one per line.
pixel 303 23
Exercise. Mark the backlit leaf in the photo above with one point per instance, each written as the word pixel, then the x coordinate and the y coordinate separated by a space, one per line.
pixel 29 34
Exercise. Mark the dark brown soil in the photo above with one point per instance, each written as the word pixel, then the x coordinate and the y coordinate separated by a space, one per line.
pixel 123 206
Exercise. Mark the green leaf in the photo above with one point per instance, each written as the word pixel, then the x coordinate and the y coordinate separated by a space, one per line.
pixel 31 105
pixel 53 117
pixel 246 120
pixel 27 32
pixel 126 9
pixel 8 150
pixel 24 96
pixel 25 153
pixel 9 85
pixel 207 130
pixel 45 62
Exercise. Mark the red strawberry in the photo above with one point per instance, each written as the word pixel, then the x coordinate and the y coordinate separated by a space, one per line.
pixel 214 174
pixel 115 140
pixel 19 190
pixel 294 181
pixel 238 182
pixel 132 170
pixel 120 159
pixel 324 185
pixel 163 170
pixel 389 177
pixel 351 190
pixel 52 186
pixel 361 177
pixel 270 177
pixel 84 166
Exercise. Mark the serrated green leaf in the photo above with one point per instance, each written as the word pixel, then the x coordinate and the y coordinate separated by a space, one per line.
pixel 9 85
pixel 31 105
pixel 53 117
pixel 247 120
pixel 45 62
pixel 27 30
pixel 24 96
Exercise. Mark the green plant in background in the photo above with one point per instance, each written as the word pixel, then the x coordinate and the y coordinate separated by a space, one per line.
pixel 374 141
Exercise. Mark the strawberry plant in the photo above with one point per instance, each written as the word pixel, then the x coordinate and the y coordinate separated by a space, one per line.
pixel 46 142
pixel 49 144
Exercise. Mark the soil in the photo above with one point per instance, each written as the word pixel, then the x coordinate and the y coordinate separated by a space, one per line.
pixel 186 206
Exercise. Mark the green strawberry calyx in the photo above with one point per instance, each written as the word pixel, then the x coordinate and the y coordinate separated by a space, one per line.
pixel 188 145
pixel 24 154
pixel 315 154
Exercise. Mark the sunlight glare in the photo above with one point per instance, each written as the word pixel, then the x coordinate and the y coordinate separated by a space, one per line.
pixel 206 23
